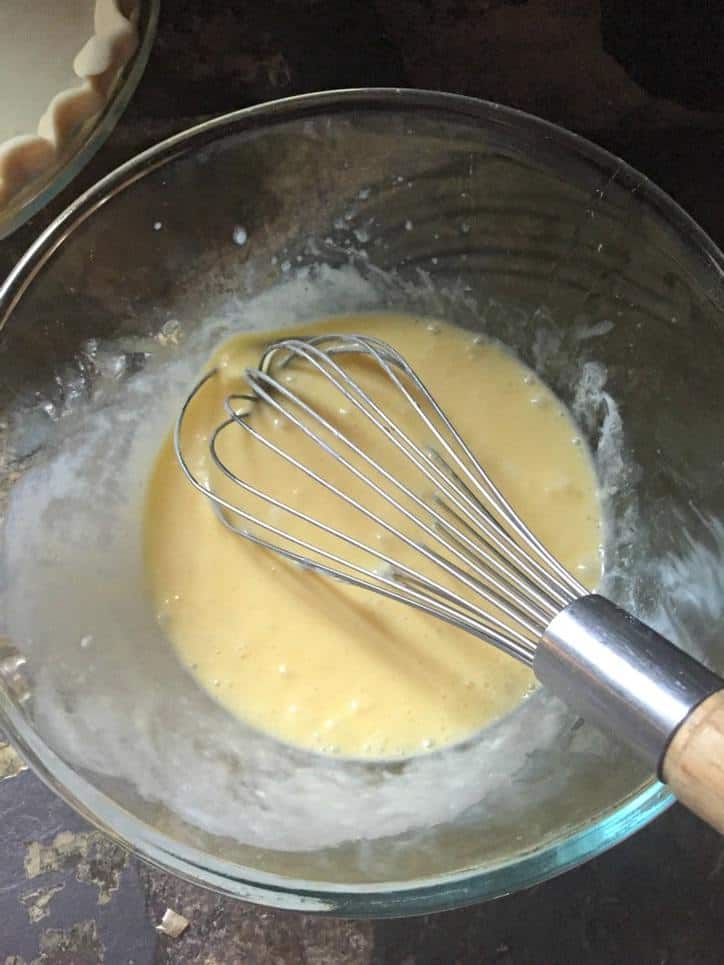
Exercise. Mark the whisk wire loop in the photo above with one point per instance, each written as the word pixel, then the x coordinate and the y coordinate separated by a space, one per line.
pixel 500 595
pixel 462 529
pixel 446 478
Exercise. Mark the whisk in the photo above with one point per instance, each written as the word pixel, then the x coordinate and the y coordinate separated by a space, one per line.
pixel 462 553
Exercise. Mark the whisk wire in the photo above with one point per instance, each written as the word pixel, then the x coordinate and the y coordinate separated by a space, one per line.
pixel 501 596
pixel 464 615
pixel 479 476
pixel 381 352
pixel 466 579
pixel 465 517
pixel 516 565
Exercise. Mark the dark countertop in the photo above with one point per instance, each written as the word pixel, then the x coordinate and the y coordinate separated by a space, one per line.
pixel 645 82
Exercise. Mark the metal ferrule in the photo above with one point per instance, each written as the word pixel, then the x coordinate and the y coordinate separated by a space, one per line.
pixel 621 675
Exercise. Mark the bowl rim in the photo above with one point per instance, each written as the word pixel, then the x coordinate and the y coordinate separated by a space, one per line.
pixel 376 899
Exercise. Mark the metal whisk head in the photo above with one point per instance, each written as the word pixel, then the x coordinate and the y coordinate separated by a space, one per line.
pixel 453 547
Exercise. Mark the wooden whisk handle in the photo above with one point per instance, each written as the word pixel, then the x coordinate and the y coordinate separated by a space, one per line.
pixel 693 764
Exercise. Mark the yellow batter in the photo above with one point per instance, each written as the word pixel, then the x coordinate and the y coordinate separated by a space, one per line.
pixel 330 667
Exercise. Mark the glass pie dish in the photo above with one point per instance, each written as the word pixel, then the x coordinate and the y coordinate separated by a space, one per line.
pixel 86 138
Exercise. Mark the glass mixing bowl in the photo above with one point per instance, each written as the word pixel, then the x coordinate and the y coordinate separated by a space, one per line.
pixel 339 202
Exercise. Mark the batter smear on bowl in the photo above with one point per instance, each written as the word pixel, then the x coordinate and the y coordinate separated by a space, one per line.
pixel 330 667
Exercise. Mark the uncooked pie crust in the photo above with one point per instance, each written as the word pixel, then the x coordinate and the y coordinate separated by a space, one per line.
pixel 26 157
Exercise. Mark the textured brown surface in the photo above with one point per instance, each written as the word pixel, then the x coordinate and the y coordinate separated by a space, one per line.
pixel 67 895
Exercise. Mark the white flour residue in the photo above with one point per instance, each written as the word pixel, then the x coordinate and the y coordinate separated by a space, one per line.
pixel 595 330
pixel 692 590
